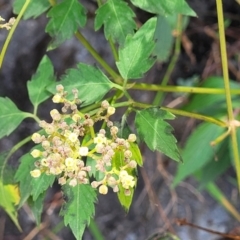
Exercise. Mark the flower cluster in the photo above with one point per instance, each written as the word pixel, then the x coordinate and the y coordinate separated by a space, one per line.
pixel 70 138
pixel 8 24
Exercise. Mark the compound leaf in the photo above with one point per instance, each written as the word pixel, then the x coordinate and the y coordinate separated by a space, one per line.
pixel 90 82
pixel 135 55
pixel 66 17
pixel 10 116
pixel 35 8
pixel 165 7
pixel 117 18
pixel 156 132
pixel 43 78
pixel 78 208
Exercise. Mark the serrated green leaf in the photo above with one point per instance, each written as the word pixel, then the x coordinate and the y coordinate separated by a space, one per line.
pixel 117 18
pixel 165 7
pixel 135 55
pixel 9 192
pixel 90 82
pixel 10 116
pixel 40 81
pixel 211 104
pixel 164 39
pixel 24 178
pixel 156 132
pixel 41 184
pixel 28 184
pixel 79 208
pixel 66 17
pixel 125 201
pixel 198 152
pixel 35 8
pixel 37 207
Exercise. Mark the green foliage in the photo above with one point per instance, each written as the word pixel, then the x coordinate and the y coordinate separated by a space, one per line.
pixel 28 185
pixel 198 152
pixel 73 149
pixel 78 208
pixel 165 7
pixel 35 8
pixel 91 82
pixel 164 42
pixel 37 207
pixel 156 132
pixel 8 190
pixel 66 17
pixel 117 19
pixel 118 163
pixel 40 81
pixel 211 104
pixel 10 116
pixel 135 55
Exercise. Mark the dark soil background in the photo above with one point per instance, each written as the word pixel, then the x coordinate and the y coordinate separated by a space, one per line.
pixel 155 206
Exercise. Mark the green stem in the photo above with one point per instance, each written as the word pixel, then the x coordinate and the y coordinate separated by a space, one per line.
pixel 216 193
pixel 154 87
pixel 196 116
pixel 10 34
pixel 160 95
pixel 114 50
pixel 227 88
pixel 95 231
pixel 100 60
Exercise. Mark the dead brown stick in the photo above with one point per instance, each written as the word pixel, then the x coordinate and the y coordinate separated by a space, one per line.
pixel 183 222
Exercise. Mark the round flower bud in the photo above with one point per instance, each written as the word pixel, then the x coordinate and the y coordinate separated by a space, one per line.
pixel 59 88
pixel 95 184
pixel 55 115
pixel 35 173
pixel 36 137
pixel 46 144
pixel 132 137
pixel 36 153
pixel 57 98
pixel 73 137
pixel 83 151
pixel 103 189
pixel 73 182
pixel 132 164
pixel 111 181
pixel 62 181
pixel 127 154
pixel 114 130
pixel 105 104
pixel 111 111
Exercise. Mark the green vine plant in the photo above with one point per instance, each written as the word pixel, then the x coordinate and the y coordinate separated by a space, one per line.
pixel 82 148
